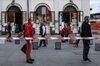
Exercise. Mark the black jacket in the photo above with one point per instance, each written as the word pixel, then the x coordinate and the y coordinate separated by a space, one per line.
pixel 9 27
pixel 41 30
pixel 86 30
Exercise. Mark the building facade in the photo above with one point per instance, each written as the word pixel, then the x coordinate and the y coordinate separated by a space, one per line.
pixel 54 12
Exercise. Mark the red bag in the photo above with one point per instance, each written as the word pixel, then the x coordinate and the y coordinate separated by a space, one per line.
pixel 74 41
pixel 20 34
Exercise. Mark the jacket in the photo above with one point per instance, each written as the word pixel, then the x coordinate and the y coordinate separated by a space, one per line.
pixel 41 30
pixel 86 30
pixel 28 30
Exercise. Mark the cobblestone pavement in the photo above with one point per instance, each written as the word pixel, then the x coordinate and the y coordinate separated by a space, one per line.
pixel 69 55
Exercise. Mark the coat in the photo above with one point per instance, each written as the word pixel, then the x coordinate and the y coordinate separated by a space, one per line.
pixel 41 30
pixel 86 30
pixel 9 27
pixel 66 30
pixel 28 30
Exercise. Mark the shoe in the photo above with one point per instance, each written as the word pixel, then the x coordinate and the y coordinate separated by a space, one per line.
pixel 66 40
pixel 89 60
pixel 29 61
pixel 44 46
pixel 84 59
pixel 63 41
pixel 39 46
pixel 10 41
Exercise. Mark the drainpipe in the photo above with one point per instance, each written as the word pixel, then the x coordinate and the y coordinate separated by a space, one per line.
pixel 27 9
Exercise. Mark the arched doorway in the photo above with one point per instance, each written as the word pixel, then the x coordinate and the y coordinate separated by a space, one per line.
pixel 70 15
pixel 42 13
pixel 14 15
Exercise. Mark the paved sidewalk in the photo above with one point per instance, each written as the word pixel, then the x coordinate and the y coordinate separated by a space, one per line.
pixel 69 55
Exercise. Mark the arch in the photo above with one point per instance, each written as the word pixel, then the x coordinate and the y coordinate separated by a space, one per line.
pixel 42 4
pixel 14 12
pixel 14 8
pixel 14 4
pixel 72 5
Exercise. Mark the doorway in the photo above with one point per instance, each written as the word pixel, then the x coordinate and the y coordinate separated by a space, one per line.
pixel 67 14
pixel 42 14
pixel 18 22
pixel 14 15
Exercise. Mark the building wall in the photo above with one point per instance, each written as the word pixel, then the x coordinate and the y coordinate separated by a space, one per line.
pixel 55 5
pixel 34 3
pixel 22 3
pixel 85 6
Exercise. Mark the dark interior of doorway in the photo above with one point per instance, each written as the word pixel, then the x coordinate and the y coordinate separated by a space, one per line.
pixel 66 17
pixel 67 13
pixel 18 22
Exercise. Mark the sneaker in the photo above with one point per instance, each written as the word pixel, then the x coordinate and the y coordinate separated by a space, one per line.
pixel 44 46
pixel 29 61
pixel 84 59
pixel 62 41
pixel 89 60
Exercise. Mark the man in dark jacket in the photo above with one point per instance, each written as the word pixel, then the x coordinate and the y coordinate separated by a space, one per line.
pixel 86 32
pixel 42 33
pixel 9 28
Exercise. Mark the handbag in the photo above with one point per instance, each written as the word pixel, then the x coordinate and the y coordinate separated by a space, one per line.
pixel 23 49
pixel 74 41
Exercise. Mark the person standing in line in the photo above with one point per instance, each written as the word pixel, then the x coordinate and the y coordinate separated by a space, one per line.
pixel 42 33
pixel 86 32
pixel 74 29
pixel 9 29
pixel 66 31
pixel 28 32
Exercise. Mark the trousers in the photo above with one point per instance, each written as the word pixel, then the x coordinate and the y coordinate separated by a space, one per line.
pixel 28 49
pixel 86 48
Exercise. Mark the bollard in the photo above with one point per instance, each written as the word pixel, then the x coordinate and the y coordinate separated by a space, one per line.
pixel 35 45
pixel 2 41
pixel 58 45
pixel 17 42
pixel 97 46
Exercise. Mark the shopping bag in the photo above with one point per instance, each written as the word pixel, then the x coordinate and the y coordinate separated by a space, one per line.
pixel 20 34
pixel 23 49
pixel 74 41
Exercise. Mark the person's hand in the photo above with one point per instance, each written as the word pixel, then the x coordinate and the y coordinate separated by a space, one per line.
pixel 34 37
